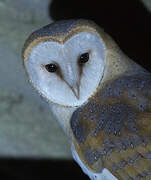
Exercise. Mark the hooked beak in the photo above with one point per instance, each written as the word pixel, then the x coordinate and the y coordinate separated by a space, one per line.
pixel 75 89
pixel 72 79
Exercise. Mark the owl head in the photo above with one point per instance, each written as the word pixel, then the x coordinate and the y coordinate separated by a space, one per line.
pixel 65 61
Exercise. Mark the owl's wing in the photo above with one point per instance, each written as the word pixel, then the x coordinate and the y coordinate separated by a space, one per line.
pixel 114 132
pixel 131 163
pixel 128 163
pixel 127 158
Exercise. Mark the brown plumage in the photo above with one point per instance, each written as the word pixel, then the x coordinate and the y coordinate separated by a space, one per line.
pixel 115 126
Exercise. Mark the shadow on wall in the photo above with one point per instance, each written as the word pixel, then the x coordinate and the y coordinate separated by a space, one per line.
pixel 128 22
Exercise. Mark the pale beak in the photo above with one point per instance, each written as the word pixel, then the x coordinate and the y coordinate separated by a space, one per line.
pixel 75 90
pixel 71 77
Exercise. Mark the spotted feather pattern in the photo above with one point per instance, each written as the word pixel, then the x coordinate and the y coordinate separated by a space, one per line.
pixel 113 130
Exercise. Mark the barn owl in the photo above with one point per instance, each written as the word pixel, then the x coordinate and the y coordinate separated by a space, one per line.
pixel 100 97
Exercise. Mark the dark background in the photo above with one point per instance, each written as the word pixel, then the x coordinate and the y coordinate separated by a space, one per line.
pixel 30 169
pixel 129 23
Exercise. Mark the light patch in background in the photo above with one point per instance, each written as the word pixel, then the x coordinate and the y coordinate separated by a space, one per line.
pixel 29 130
pixel 21 121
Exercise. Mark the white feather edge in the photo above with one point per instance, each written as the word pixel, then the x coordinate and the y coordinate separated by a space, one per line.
pixel 104 175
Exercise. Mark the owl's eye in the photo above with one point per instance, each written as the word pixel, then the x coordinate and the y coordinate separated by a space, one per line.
pixel 51 67
pixel 84 58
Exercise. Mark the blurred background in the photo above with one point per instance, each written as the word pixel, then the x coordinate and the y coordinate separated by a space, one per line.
pixel 32 144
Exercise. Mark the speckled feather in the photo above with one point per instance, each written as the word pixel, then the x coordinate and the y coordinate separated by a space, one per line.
pixel 114 127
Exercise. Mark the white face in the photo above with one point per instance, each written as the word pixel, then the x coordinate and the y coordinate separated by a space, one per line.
pixel 73 81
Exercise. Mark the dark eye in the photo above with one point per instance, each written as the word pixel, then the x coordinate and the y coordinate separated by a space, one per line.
pixel 84 58
pixel 51 67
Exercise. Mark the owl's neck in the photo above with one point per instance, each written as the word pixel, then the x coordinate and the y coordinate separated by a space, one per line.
pixel 63 115
pixel 118 64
